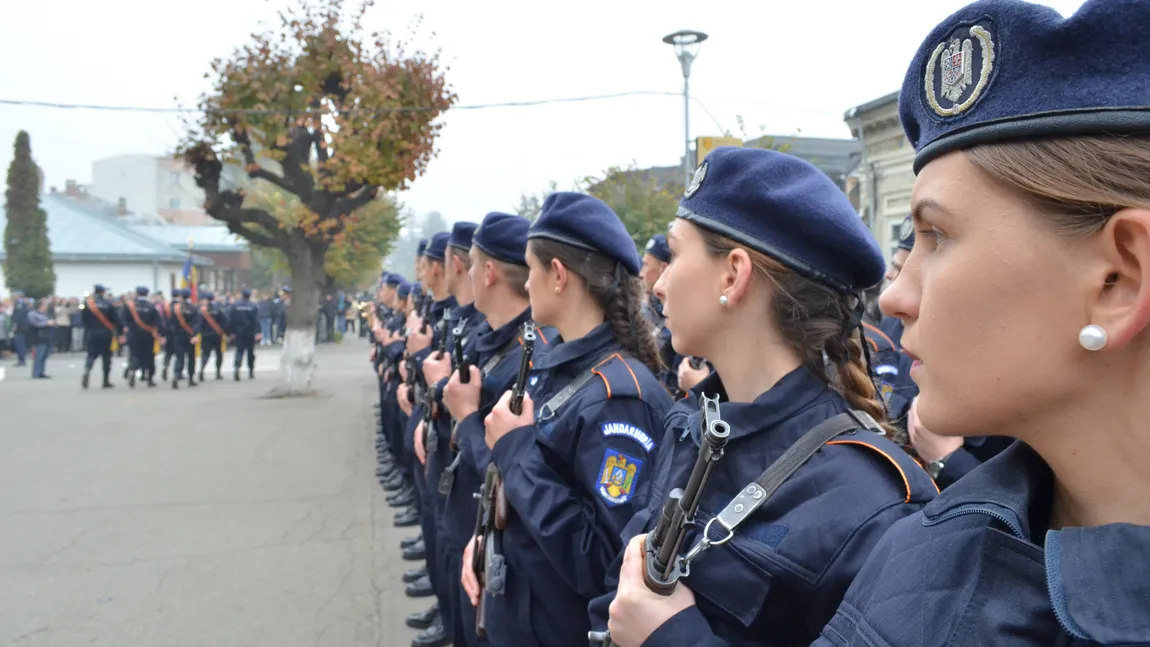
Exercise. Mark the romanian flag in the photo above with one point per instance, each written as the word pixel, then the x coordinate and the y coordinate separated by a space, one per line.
pixel 191 279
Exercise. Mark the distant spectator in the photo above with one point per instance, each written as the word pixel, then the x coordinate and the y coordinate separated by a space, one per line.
pixel 39 336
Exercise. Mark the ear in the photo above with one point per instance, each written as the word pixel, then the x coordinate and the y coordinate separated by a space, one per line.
pixel 560 272
pixel 489 274
pixel 736 278
pixel 1122 305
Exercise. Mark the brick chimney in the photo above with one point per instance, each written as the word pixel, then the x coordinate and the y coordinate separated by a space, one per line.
pixel 121 206
pixel 71 189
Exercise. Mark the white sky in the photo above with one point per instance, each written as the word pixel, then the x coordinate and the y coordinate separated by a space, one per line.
pixel 790 67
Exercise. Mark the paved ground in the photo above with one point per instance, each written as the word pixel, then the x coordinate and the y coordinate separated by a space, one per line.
pixel 149 518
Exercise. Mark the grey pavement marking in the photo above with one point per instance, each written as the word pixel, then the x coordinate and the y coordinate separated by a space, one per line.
pixel 156 518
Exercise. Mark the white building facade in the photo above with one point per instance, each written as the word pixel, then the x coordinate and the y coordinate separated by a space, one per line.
pixel 886 173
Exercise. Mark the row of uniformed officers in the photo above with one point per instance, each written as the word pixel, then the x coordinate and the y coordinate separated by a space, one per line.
pixel 573 487
pixel 182 329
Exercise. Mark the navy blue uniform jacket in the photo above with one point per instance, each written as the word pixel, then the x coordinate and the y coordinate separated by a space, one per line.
pixel 573 481
pixel 979 567
pixel 781 577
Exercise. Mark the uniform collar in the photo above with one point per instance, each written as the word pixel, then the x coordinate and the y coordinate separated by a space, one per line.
pixel 1098 581
pixel 790 395
pixel 496 339
pixel 584 350
pixel 463 313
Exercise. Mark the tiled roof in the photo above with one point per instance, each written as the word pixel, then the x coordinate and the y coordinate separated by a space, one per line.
pixel 75 234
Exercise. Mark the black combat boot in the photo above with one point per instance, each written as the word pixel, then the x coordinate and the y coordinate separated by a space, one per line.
pixel 87 376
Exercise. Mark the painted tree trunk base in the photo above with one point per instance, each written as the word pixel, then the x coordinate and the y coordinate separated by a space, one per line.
pixel 297 364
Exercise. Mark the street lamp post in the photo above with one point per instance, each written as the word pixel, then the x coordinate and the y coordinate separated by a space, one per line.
pixel 686 44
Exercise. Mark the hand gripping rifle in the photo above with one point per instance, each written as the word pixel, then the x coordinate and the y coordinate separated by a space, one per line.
pixel 662 565
pixel 491 520
pixel 428 397
pixel 459 362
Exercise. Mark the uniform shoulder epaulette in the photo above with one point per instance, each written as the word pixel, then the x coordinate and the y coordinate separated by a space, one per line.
pixel 920 488
pixel 620 375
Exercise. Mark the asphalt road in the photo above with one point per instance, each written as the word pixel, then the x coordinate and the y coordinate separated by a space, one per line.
pixel 207 516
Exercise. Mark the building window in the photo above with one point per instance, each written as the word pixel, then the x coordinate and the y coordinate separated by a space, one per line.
pixel 895 225
pixel 173 203
pixel 174 178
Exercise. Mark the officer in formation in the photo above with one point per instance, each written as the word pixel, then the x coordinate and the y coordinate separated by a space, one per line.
pixel 101 331
pixel 142 329
pixel 1024 298
pixel 572 469
pixel 213 327
pixel 182 329
pixel 245 328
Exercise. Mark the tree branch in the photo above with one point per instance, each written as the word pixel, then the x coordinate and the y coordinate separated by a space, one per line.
pixel 251 235
pixel 227 206
pixel 344 206
pixel 259 173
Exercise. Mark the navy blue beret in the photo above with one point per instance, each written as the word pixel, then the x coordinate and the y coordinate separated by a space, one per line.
pixel 658 248
pixel 503 237
pixel 142 290
pixel 422 246
pixel 998 70
pixel 437 247
pixel 287 289
pixel 787 209
pixel 98 288
pixel 245 292
pixel 461 235
pixel 403 290
pixel 906 234
pixel 392 279
pixel 207 295
pixel 588 223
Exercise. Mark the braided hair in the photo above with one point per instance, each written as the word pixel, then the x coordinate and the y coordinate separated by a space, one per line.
pixel 822 325
pixel 618 293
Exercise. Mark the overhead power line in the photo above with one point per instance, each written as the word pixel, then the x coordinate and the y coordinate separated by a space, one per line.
pixel 477 106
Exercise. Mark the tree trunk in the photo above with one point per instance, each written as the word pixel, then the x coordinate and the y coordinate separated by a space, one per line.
pixel 297 361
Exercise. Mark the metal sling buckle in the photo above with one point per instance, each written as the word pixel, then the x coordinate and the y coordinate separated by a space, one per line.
pixel 702 545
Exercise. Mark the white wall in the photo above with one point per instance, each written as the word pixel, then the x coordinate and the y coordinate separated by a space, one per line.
pixel 132 177
pixel 74 279
pixel 3 287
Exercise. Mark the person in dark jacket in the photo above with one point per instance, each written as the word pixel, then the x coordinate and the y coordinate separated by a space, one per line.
pixel 41 329
pixel 102 325
pixel 1026 307
pixel 245 330
pixel 768 264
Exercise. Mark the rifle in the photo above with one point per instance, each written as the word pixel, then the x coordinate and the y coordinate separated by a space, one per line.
pixel 425 311
pixel 662 565
pixel 459 362
pixel 491 519
pixel 428 420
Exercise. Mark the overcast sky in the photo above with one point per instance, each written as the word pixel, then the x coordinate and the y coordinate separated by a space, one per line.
pixel 788 67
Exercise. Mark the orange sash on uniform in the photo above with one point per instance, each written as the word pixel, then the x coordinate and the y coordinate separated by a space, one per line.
pixel 104 320
pixel 183 322
pixel 145 327
pixel 100 316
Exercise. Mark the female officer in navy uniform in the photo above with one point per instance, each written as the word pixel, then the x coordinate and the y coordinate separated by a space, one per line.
pixel 576 464
pixel 769 261
pixel 1026 301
